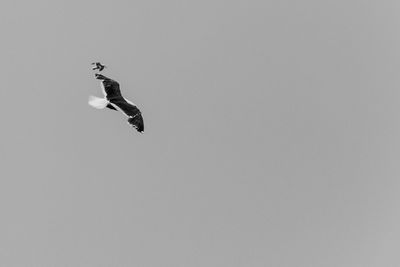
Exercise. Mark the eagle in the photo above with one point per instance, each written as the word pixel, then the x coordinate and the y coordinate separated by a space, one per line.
pixel 114 100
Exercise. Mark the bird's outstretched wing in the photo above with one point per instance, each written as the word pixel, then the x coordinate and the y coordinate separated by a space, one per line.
pixel 110 87
pixel 131 111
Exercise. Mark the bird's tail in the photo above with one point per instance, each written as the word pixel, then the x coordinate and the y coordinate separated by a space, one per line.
pixel 97 102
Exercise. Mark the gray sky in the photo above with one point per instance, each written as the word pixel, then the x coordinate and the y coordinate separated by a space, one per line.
pixel 271 134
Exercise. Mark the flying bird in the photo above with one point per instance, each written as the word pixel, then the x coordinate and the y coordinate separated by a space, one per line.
pixel 98 66
pixel 113 99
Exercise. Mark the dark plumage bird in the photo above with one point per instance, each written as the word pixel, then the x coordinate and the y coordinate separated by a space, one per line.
pixel 98 66
pixel 114 100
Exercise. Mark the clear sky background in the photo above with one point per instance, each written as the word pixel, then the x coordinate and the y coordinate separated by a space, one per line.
pixel 271 137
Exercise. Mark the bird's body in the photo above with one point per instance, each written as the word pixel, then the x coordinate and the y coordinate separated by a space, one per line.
pixel 98 66
pixel 113 99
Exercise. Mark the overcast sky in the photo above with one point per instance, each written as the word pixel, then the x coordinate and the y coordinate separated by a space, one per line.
pixel 271 137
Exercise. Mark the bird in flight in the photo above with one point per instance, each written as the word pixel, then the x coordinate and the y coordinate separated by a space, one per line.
pixel 113 99
pixel 98 66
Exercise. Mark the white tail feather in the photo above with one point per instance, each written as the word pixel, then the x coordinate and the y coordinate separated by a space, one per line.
pixel 98 102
